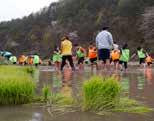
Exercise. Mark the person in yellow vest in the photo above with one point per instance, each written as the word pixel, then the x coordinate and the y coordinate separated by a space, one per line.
pixel 66 51
pixel 115 56
pixel 124 57
pixel 149 60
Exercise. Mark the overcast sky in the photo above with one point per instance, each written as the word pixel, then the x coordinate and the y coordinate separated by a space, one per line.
pixel 11 9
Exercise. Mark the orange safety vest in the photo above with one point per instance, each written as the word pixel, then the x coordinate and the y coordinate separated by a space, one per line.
pixel 30 60
pixel 92 53
pixel 22 59
pixel 115 54
pixel 149 59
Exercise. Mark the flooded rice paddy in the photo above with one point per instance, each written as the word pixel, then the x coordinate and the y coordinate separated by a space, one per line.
pixel 137 84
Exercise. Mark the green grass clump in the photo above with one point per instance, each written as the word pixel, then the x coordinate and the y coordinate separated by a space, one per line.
pixel 16 85
pixel 46 93
pixel 60 100
pixel 131 106
pixel 30 70
pixel 101 94
pixel 53 99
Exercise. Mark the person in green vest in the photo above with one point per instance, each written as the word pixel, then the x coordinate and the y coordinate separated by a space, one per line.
pixel 57 58
pixel 36 60
pixel 13 59
pixel 80 53
pixel 125 56
pixel 141 55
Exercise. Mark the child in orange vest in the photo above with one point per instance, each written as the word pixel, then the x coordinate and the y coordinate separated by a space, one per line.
pixel 92 55
pixel 115 56
pixel 149 60
pixel 30 60
pixel 22 60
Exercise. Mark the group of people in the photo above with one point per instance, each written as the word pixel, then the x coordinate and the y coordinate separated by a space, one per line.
pixel 100 54
pixel 23 60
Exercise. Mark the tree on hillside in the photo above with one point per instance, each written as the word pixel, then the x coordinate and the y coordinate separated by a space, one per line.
pixel 147 26
pixel 40 31
pixel 130 8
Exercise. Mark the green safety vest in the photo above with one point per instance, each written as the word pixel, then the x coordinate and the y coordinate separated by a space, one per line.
pixel 80 54
pixel 13 59
pixel 125 55
pixel 36 59
pixel 57 57
pixel 141 54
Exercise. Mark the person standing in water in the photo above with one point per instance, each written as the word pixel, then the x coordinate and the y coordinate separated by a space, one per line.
pixel 13 59
pixel 124 58
pixel 104 43
pixel 36 60
pixel 141 55
pixel 57 58
pixel 149 60
pixel 92 55
pixel 66 51
pixel 80 53
pixel 115 56
pixel 22 60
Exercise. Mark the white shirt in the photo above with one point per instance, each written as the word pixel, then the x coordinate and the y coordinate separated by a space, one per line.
pixel 115 46
pixel 104 40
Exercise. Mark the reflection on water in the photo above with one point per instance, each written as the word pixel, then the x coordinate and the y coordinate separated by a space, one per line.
pixel 37 117
pixel 66 88
pixel 137 83
pixel 20 113
pixel 149 86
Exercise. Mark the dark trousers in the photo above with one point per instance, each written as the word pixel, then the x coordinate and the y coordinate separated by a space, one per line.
pixel 125 64
pixel 70 60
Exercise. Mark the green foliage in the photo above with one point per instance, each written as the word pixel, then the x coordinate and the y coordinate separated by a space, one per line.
pixel 30 70
pixel 38 31
pixel 146 25
pixel 60 100
pixel 131 8
pixel 46 93
pixel 101 94
pixel 55 98
pixel 131 106
pixel 16 85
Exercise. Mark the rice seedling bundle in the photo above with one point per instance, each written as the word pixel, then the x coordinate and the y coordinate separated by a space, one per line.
pixel 100 94
pixel 16 85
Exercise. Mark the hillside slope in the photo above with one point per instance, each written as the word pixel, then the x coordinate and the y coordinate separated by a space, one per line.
pixel 39 32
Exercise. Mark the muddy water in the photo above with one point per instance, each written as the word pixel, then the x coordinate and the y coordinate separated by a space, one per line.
pixel 137 83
